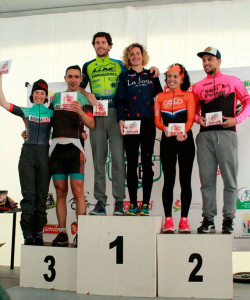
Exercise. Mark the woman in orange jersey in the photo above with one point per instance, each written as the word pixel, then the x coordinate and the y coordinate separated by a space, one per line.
pixel 174 115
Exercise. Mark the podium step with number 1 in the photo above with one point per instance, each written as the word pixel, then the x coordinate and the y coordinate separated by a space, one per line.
pixel 117 255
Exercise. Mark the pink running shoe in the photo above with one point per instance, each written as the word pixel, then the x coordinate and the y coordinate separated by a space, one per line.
pixel 169 225
pixel 184 226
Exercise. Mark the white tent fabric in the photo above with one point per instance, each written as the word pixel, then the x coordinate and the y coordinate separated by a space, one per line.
pixel 43 46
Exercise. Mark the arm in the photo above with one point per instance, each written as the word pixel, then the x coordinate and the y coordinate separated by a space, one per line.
pixel 154 71
pixel 191 106
pixel 86 118
pixel 91 97
pixel 198 118
pixel 157 113
pixel 243 96
pixel 3 101
pixel 121 99
pixel 85 80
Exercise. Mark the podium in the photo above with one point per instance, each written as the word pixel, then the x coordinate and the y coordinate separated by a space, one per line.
pixel 195 266
pixel 48 267
pixel 129 256
pixel 117 255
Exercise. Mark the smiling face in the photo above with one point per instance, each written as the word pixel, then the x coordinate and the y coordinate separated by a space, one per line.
pixel 135 57
pixel 174 80
pixel 39 96
pixel 101 47
pixel 73 79
pixel 211 64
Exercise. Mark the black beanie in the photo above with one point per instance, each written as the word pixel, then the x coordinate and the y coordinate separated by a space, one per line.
pixel 40 85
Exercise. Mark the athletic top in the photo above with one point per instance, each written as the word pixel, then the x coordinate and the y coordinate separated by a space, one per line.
pixel 66 122
pixel 174 107
pixel 135 95
pixel 102 74
pixel 220 93
pixel 37 120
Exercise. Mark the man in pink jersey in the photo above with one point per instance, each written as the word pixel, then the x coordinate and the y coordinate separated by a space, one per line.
pixel 217 145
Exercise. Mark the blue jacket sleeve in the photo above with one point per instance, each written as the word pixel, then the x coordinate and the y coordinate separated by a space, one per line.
pixel 121 97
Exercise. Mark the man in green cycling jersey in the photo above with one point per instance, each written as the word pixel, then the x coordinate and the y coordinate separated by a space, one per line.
pixel 102 74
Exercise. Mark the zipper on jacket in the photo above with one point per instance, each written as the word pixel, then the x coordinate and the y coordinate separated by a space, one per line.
pixel 38 124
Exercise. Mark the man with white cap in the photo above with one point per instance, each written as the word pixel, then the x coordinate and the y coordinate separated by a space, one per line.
pixel 217 143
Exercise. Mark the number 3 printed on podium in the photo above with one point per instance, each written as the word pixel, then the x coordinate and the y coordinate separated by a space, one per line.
pixel 52 261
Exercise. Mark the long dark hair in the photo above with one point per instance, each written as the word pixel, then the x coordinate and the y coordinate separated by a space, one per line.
pixel 186 80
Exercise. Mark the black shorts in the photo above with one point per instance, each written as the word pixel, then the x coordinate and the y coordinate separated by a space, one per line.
pixel 67 160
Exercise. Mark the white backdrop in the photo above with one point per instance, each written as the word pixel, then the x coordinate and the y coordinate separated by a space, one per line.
pixel 43 46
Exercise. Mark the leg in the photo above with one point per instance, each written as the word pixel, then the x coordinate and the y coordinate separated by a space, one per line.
pixel 131 144
pixel 117 156
pixel 99 146
pixel 61 187
pixel 208 166
pixel 77 187
pixel 147 148
pixel 168 154
pixel 186 152
pixel 227 155
pixel 42 188
pixel 27 180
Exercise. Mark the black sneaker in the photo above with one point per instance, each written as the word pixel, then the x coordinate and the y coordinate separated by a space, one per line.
pixel 98 210
pixel 118 210
pixel 61 240
pixel 29 240
pixel 207 226
pixel 38 239
pixel 227 226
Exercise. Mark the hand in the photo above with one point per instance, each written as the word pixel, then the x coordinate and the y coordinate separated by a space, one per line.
pixel 77 107
pixel 84 135
pixel 230 122
pixel 202 121
pixel 122 126
pixel 181 137
pixel 92 99
pixel 155 71
pixel 24 135
pixel 168 134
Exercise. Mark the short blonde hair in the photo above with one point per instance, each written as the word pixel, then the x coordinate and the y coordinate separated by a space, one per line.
pixel 126 55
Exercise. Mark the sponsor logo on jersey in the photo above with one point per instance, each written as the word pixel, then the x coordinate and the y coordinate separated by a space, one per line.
pixel 176 101
pixel 139 82
pixel 215 92
pixel 37 120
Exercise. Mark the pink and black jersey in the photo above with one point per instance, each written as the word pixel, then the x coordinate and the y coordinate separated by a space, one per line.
pixel 220 93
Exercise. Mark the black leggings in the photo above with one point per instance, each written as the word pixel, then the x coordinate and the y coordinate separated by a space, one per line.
pixel 170 149
pixel 146 140
pixel 34 176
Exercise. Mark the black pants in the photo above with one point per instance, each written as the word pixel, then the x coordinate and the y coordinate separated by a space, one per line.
pixel 34 179
pixel 185 151
pixel 145 140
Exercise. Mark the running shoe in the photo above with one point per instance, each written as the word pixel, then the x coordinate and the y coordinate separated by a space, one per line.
pixel 29 240
pixel 144 211
pixel 227 226
pixel 118 210
pixel 98 210
pixel 133 210
pixel 207 226
pixel 61 240
pixel 38 239
pixel 184 226
pixel 169 225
